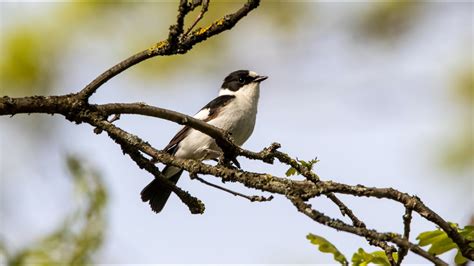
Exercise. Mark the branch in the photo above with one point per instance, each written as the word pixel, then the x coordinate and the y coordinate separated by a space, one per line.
pixel 370 234
pixel 205 7
pixel 264 182
pixel 173 45
pixel 222 138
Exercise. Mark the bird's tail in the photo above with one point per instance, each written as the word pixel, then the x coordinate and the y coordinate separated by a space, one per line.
pixel 158 195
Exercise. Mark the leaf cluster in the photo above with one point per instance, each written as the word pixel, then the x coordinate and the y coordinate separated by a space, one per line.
pixel 306 164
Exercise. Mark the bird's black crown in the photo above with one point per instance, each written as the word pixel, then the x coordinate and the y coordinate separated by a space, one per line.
pixel 237 79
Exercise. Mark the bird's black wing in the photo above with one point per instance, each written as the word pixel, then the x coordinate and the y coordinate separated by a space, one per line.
pixel 213 108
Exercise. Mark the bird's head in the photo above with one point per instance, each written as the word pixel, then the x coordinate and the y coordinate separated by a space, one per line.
pixel 241 82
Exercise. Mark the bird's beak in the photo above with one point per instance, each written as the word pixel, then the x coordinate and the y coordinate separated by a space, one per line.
pixel 260 78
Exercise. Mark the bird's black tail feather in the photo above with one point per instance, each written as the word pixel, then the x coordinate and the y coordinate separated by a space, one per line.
pixel 158 195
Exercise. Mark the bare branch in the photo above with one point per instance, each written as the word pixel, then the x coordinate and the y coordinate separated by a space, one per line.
pixel 205 7
pixel 222 138
pixel 218 26
pixel 171 46
pixel 177 29
pixel 345 210
pixel 402 251
pixel 364 232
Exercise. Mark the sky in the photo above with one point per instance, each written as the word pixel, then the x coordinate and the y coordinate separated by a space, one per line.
pixel 374 112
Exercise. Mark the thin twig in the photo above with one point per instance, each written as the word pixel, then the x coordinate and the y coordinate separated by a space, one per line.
pixel 177 29
pixel 253 198
pixel 114 118
pixel 205 7
pixel 345 210
pixel 358 223
pixel 402 251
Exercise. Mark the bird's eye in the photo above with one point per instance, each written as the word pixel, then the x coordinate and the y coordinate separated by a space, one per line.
pixel 241 80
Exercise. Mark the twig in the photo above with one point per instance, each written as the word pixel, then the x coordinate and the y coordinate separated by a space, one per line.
pixel 345 210
pixel 358 223
pixel 253 198
pixel 205 7
pixel 218 26
pixel 113 119
pixel 402 251
pixel 177 29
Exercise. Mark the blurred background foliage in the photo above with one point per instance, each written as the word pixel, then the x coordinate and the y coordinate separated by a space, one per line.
pixel 81 233
pixel 387 20
pixel 33 54
pixel 459 152
pixel 32 50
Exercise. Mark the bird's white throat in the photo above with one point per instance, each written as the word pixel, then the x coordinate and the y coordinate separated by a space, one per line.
pixel 249 92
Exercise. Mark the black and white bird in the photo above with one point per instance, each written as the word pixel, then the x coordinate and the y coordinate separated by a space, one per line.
pixel 234 110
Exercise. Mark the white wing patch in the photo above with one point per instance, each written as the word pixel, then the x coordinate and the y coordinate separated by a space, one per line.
pixel 203 114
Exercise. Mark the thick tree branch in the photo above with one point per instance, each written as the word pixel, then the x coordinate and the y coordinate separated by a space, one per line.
pixel 264 182
pixel 224 140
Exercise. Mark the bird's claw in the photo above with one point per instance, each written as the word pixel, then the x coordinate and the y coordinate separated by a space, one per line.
pixel 235 162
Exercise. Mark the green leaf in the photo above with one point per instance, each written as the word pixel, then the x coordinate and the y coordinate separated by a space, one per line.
pixel 291 171
pixel 327 247
pixel 442 246
pixel 308 164
pixel 440 243
pixel 362 258
pixel 459 259
pixel 428 237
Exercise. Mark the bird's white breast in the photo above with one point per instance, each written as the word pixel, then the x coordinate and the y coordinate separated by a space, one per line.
pixel 238 118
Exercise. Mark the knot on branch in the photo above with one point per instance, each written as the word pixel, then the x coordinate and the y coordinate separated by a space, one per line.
pixel 269 153
pixel 7 104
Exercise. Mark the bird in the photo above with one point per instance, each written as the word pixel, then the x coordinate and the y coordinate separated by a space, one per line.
pixel 234 110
